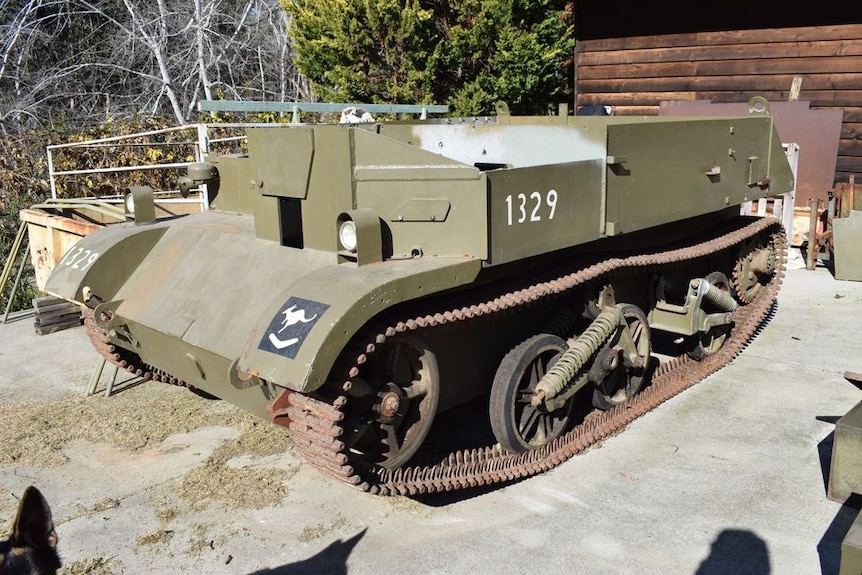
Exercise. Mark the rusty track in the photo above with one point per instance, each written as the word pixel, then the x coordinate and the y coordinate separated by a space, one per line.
pixel 124 358
pixel 316 422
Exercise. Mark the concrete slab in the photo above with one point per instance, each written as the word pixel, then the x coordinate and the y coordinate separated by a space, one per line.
pixel 726 478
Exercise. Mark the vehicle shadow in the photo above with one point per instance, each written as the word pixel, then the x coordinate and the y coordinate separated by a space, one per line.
pixel 331 561
pixel 736 552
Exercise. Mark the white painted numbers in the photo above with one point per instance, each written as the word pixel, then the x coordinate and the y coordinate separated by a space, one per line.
pixel 79 258
pixel 534 208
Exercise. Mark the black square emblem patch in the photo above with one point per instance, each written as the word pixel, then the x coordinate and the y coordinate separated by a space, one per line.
pixel 289 328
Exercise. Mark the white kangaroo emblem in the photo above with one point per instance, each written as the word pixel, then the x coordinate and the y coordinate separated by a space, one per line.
pixel 292 316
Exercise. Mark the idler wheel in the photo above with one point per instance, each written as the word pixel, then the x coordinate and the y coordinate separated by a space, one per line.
pixel 517 425
pixel 754 268
pixel 405 383
pixel 620 366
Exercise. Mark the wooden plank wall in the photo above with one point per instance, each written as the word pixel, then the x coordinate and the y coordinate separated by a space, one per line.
pixel 635 74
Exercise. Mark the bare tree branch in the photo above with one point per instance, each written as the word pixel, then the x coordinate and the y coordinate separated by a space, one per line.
pixel 86 60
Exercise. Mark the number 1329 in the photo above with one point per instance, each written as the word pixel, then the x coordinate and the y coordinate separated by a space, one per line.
pixel 522 207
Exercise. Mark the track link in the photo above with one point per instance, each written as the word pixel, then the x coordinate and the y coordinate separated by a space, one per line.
pixel 316 422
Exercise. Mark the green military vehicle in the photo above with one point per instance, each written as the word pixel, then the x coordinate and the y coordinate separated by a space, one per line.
pixel 439 304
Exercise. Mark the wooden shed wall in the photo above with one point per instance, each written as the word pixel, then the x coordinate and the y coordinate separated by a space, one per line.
pixel 635 74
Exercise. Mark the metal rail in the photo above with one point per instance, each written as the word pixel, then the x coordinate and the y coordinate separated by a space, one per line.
pixel 295 108
pixel 202 141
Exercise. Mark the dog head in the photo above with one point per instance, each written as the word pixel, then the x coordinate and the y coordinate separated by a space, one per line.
pixel 32 546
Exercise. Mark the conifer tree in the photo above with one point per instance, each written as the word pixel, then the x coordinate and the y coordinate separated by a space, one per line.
pixel 467 53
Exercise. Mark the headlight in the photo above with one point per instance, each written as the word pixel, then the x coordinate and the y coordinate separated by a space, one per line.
pixel 347 235
pixel 140 204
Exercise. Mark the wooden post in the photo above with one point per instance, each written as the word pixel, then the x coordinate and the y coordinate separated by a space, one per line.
pixel 811 262
pixel 795 88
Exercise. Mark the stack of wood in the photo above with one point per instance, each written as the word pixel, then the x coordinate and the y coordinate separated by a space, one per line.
pixel 55 314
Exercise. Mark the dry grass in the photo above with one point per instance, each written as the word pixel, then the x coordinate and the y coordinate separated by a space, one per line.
pixel 134 420
pixel 96 566
pixel 399 503
pixel 313 532
pixel 159 537
pixel 140 418
pixel 251 486
pixel 243 472
pixel 104 505
pixel 201 540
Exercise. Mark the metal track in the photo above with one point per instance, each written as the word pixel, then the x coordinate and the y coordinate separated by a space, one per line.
pixel 315 423
pixel 124 358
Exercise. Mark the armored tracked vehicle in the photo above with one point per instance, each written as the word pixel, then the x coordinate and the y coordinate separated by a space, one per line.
pixel 435 305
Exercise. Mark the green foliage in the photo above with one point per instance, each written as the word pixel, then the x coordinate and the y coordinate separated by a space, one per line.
pixel 23 182
pixel 511 50
pixel 168 147
pixel 467 53
pixel 363 50
pixel 10 204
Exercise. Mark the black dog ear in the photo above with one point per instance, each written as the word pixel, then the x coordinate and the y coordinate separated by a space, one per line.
pixel 34 526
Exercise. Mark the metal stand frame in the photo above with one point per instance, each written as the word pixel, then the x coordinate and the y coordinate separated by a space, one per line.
pixel 97 375
pixel 7 269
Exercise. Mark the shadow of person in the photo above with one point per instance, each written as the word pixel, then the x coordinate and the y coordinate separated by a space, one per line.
pixel 736 552
pixel 330 561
